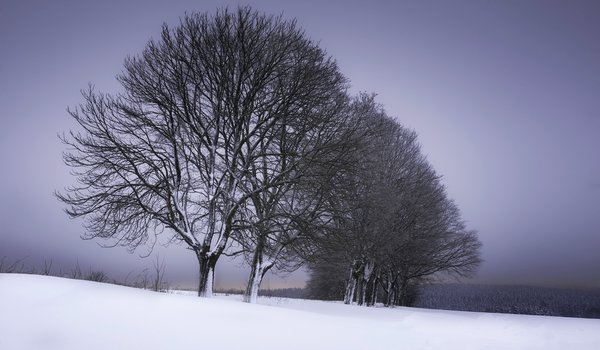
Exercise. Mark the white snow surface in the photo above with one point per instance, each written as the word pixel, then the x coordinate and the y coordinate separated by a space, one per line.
pixel 40 312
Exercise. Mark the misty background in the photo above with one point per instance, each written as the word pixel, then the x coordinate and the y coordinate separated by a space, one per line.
pixel 505 97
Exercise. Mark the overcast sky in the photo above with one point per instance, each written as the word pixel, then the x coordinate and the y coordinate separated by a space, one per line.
pixel 505 97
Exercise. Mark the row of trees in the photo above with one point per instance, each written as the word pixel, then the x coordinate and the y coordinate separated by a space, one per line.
pixel 234 134
pixel 395 226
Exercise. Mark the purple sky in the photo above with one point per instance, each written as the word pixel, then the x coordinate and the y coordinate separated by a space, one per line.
pixel 505 96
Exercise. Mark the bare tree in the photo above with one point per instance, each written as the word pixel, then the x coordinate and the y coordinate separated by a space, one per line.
pixel 295 161
pixel 429 238
pixel 18 266
pixel 172 152
pixel 141 280
pixel 158 283
pixel 47 270
pixel 75 272
pixel 97 276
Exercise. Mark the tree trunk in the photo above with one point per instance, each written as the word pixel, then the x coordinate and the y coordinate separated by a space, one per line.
pixel 360 296
pixel 368 274
pixel 372 289
pixel 206 264
pixel 391 288
pixel 259 269
pixel 350 287
pixel 360 289
pixel 251 293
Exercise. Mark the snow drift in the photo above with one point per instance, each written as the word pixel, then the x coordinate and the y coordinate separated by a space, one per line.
pixel 40 312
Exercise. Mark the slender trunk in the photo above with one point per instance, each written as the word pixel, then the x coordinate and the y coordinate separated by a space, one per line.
pixel 392 296
pixel 360 290
pixel 365 277
pixel 389 301
pixel 385 284
pixel 372 291
pixel 206 260
pixel 251 293
pixel 350 287
pixel 256 275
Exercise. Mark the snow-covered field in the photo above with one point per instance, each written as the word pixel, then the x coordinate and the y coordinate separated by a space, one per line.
pixel 40 312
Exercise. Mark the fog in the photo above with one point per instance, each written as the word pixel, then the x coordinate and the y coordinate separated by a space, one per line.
pixel 505 97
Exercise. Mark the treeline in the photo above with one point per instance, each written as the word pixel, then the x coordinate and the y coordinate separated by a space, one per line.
pixel 526 300
pixel 235 134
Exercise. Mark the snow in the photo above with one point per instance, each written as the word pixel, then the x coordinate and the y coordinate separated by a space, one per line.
pixel 41 312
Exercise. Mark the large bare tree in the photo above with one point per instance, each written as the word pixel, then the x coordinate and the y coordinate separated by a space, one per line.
pixel 176 151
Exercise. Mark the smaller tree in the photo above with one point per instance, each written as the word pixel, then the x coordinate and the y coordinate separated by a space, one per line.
pixel 97 276
pixel 158 280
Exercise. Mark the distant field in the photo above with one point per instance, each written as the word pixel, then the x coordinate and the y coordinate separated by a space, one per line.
pixel 512 299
